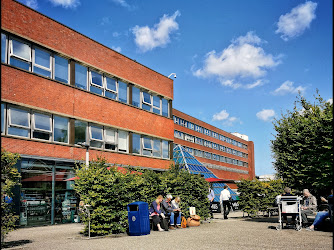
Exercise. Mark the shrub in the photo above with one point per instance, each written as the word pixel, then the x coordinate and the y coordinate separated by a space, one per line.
pixel 9 178
pixel 109 192
pixel 258 195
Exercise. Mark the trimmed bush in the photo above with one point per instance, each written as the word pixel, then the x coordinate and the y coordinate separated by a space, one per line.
pixel 109 192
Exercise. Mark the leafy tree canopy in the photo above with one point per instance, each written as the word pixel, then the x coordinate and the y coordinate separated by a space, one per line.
pixel 302 148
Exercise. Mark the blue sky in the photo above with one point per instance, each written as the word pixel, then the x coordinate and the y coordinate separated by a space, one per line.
pixel 239 64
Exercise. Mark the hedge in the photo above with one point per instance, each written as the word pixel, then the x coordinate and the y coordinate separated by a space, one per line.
pixel 109 191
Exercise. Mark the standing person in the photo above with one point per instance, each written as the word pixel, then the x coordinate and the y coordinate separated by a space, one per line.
pixel 225 201
pixel 211 197
pixel 176 204
pixel 309 206
pixel 157 215
pixel 168 209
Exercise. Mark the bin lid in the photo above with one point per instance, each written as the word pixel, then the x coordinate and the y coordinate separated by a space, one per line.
pixel 138 203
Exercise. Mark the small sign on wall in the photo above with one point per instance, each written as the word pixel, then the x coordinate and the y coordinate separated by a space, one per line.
pixel 192 210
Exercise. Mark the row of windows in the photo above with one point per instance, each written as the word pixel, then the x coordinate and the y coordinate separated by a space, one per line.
pixel 200 141
pixel 33 58
pixel 208 132
pixel 220 158
pixel 28 123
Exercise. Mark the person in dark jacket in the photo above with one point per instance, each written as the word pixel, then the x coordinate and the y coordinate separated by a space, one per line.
pixel 171 211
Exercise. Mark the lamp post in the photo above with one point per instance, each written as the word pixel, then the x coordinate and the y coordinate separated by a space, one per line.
pixel 172 74
pixel 85 145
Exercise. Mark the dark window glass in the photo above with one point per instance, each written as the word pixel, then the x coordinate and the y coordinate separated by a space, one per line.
pixel 61 69
pixel 135 97
pixel 164 107
pixel 2 118
pixel 60 130
pixel 3 47
pixel 80 76
pixel 135 143
pixel 123 92
pixel 80 131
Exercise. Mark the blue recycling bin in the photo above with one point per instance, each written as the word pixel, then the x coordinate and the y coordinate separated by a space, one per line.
pixel 138 217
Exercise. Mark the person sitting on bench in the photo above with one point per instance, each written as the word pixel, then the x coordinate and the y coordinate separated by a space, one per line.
pixel 170 211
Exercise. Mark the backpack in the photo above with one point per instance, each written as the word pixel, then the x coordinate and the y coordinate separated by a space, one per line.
pixel 183 222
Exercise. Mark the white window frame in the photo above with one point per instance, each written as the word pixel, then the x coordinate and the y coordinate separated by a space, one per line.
pixel 106 85
pixel 155 139
pixel 162 151
pixel 109 142
pixel 144 102
pixel 91 83
pixel 189 138
pixel 143 145
pixel 33 126
pixel 10 124
pixel 154 107
pixel 11 51
pixel 127 141
pixel 90 125
pixel 34 64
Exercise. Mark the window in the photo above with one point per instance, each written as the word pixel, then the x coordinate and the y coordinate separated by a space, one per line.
pixel 136 97
pixel 136 144
pixel 189 138
pixel 19 122
pixel 222 158
pixel 80 76
pixel 60 129
pixel 190 125
pixel 122 141
pixel 156 148
pixel 147 101
pixel 198 141
pixel 41 126
pixel 165 108
pixel 110 139
pixel 207 155
pixel 3 118
pixel 123 92
pixel 156 104
pixel 80 131
pixel 176 120
pixel 215 146
pixel 178 134
pixel 42 62
pixel 222 138
pixel 198 129
pixel 20 54
pixel 147 146
pixel 3 48
pixel 96 136
pixel 61 69
pixel 111 88
pixel 165 149
pixel 214 157
pixel 95 82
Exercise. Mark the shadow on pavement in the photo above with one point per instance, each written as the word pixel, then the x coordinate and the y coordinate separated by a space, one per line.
pixel 15 243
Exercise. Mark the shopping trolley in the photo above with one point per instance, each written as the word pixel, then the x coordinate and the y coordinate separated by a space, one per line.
pixel 289 205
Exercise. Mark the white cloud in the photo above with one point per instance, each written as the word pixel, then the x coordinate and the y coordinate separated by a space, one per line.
pixel 257 83
pixel 31 3
pixel 288 88
pixel 242 59
pixel 72 4
pixel 225 117
pixel 118 49
pixel 222 115
pixel 148 38
pixel 266 114
pixel 294 23
pixel 330 101
pixel 105 20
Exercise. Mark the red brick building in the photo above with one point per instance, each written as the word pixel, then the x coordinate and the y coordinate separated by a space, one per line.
pixel 61 89
pixel 228 156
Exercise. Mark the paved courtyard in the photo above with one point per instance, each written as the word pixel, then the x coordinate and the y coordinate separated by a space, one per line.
pixel 235 233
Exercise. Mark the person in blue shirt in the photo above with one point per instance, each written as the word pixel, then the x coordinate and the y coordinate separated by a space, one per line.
pixel 321 216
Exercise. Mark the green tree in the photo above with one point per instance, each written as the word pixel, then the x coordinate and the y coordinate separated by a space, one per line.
pixel 9 178
pixel 302 148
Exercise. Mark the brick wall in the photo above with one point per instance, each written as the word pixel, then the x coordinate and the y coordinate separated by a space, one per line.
pixel 34 26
